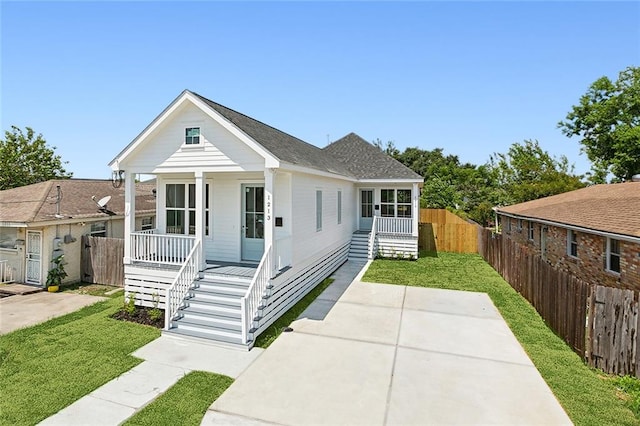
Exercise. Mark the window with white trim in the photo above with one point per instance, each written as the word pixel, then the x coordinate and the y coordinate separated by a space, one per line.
pixel 98 229
pixel 8 237
pixel 395 202
pixel 531 231
pixel 572 243
pixel 613 255
pixel 146 223
pixel 180 207
pixel 192 136
pixel 339 207
pixel 318 210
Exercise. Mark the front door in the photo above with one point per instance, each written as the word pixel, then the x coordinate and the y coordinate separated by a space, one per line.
pixel 252 222
pixel 366 209
pixel 34 258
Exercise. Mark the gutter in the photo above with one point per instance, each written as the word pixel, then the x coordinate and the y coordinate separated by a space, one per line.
pixel 613 235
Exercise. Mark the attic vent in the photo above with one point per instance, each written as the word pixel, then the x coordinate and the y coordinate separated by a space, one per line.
pixel 635 178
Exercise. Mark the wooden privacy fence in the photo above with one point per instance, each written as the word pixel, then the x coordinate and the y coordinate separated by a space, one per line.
pixel 102 260
pixel 599 323
pixel 441 230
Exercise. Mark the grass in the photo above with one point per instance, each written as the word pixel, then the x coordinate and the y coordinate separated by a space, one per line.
pixel 589 396
pixel 270 334
pixel 92 289
pixel 46 367
pixel 185 403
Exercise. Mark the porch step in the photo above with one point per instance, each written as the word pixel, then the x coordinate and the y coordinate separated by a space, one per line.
pixel 212 309
pixel 359 248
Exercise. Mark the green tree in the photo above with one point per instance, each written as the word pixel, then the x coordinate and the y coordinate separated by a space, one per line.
pixel 527 172
pixel 26 159
pixel 607 120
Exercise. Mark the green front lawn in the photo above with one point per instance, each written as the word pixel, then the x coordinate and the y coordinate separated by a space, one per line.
pixel 47 367
pixel 589 396
pixel 185 403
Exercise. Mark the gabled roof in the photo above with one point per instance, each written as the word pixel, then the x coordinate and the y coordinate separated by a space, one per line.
pixel 351 156
pixel 613 208
pixel 283 146
pixel 365 161
pixel 37 202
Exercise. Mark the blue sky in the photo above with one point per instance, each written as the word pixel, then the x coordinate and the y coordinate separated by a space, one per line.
pixel 470 77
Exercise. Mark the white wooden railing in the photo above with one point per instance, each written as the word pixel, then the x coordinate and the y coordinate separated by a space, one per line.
pixel 180 286
pixel 253 297
pixel 6 272
pixel 394 225
pixel 167 249
pixel 372 239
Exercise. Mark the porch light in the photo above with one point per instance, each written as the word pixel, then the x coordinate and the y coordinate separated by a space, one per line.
pixel 117 178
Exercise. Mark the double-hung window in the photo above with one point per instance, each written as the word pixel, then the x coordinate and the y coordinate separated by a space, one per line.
pixel 8 238
pixel 572 243
pixel 146 223
pixel 613 255
pixel 531 232
pixel 98 229
pixel 395 203
pixel 180 204
pixel 192 136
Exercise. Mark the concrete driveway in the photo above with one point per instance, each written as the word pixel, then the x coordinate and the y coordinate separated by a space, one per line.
pixel 21 311
pixel 380 354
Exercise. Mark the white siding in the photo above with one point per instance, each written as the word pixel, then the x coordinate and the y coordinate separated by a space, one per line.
pixel 219 150
pixel 308 242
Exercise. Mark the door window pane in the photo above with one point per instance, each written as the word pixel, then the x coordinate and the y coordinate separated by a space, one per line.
pixel 259 200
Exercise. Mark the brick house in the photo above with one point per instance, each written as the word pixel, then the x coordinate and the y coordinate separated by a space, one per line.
pixel 592 232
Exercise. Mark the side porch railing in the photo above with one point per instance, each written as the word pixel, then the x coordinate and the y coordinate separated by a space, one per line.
pixel 165 249
pixel 6 272
pixel 394 225
pixel 176 293
pixel 252 299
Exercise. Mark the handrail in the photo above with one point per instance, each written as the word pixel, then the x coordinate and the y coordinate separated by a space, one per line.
pixel 372 239
pixel 395 225
pixel 6 273
pixel 180 286
pixel 167 249
pixel 251 300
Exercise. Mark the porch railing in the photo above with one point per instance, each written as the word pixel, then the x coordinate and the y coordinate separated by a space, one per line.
pixel 372 239
pixel 253 297
pixel 6 272
pixel 180 286
pixel 168 249
pixel 394 225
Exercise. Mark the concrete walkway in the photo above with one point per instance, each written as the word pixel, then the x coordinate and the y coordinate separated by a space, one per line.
pixel 167 359
pixel 21 311
pixel 378 354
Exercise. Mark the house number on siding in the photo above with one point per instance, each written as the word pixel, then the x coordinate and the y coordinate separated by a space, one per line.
pixel 268 207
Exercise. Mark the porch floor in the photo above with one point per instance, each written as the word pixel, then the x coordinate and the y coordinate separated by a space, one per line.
pixel 246 270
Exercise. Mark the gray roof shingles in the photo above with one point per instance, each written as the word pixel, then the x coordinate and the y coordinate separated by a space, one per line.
pixel 350 156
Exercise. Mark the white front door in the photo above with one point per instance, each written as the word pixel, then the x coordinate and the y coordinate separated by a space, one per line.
pixel 366 209
pixel 252 222
pixel 34 258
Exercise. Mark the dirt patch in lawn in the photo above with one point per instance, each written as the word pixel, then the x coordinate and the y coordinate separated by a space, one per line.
pixel 142 315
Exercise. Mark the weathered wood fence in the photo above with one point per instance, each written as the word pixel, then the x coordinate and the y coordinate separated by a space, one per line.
pixel 101 260
pixel 599 323
pixel 441 230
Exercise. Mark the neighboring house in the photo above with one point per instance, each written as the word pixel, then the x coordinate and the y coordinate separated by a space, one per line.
pixel 593 232
pixel 38 222
pixel 250 218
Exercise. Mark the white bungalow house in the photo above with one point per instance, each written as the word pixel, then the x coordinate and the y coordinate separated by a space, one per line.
pixel 249 218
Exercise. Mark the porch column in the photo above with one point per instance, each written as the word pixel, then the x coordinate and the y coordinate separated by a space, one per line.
pixel 415 197
pixel 129 213
pixel 269 228
pixel 200 214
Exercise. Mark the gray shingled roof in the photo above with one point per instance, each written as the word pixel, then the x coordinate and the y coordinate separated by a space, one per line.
pixel 366 161
pixel 37 202
pixel 350 156
pixel 283 146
